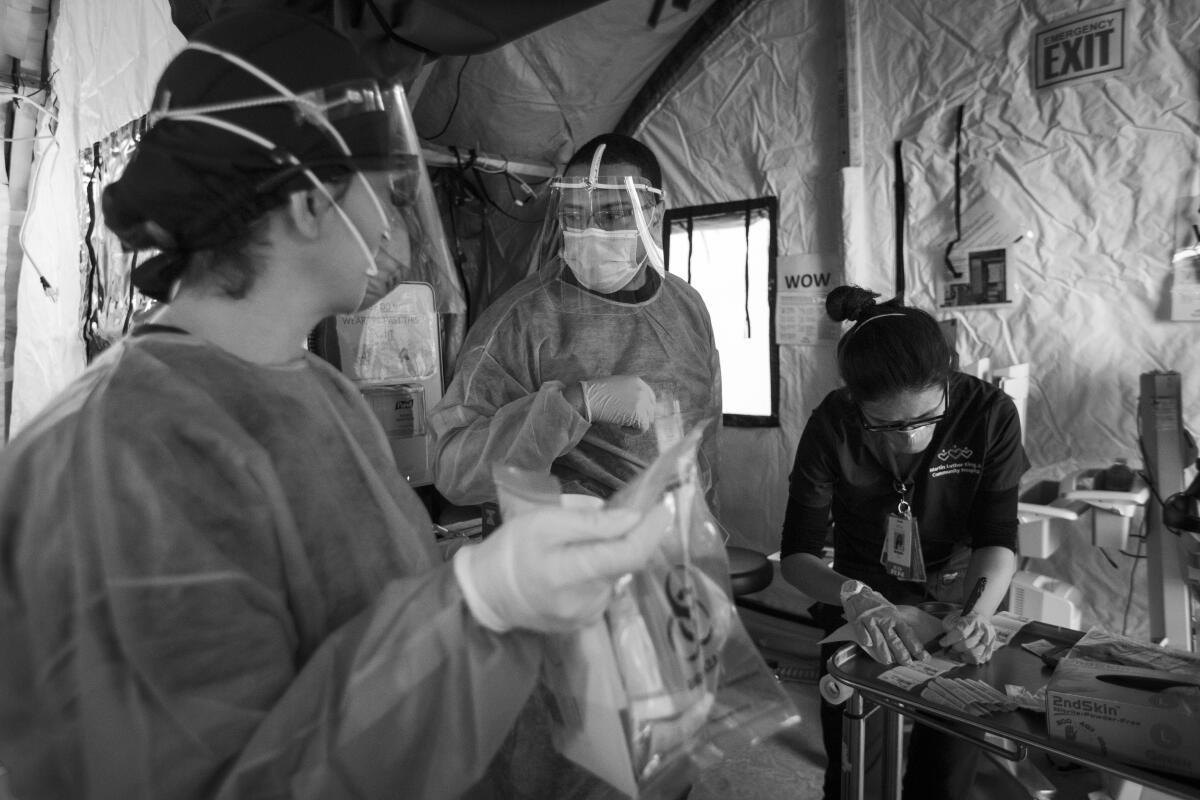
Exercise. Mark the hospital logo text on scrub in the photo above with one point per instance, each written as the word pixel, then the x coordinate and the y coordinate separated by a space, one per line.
pixel 955 460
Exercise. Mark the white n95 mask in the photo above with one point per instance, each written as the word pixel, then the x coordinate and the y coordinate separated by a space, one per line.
pixel 603 261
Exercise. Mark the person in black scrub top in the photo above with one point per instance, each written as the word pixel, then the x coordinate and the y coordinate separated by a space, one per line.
pixel 916 467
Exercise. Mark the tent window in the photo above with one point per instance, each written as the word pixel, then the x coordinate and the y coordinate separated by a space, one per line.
pixel 727 252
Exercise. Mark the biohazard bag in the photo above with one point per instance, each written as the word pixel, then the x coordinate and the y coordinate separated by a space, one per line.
pixel 669 680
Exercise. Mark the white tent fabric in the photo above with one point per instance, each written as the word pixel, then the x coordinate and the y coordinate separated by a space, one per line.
pixel 757 115
pixel 1094 169
pixel 99 87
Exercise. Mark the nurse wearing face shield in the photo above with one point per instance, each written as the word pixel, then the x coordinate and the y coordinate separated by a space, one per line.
pixel 567 371
pixel 917 467
pixel 214 583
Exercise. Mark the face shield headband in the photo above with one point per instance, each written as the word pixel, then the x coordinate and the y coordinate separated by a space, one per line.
pixel 320 108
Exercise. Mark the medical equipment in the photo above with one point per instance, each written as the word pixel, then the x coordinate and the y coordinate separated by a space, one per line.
pixel 1167 448
pixel 1045 599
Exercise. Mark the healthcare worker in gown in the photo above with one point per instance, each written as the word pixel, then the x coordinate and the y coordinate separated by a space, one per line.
pixel 214 583
pixel 563 373
pixel 917 466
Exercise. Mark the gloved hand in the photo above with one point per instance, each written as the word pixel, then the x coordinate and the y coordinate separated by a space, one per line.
pixel 552 569
pixel 622 399
pixel 973 637
pixel 878 627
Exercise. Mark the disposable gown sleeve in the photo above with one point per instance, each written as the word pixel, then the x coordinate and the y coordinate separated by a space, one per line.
pixel 411 699
pixel 168 632
pixel 488 416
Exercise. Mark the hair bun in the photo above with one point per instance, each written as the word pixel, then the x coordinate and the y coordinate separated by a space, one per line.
pixel 849 302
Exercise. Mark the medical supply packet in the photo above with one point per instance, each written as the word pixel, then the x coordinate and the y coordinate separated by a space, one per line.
pixel 669 681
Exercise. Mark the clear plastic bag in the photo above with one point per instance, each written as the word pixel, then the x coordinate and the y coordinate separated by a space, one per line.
pixel 669 681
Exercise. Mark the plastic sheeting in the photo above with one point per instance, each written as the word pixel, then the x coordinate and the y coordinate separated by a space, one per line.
pixel 541 96
pixel 757 115
pixel 99 86
pixel 1094 169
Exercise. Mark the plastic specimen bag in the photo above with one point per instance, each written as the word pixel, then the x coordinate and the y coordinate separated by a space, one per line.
pixel 669 680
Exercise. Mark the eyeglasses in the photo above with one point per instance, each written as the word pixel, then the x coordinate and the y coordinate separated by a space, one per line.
pixel 908 425
pixel 617 219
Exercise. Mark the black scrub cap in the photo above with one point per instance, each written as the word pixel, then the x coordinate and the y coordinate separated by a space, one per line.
pixel 191 186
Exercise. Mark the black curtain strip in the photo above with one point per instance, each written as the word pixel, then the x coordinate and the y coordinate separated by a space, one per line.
pixel 10 117
pixel 746 273
pixel 93 288
pixel 690 231
pixel 958 128
pixel 900 213
pixel 129 299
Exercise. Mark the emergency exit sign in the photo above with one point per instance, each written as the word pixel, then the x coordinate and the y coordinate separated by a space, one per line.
pixel 1083 46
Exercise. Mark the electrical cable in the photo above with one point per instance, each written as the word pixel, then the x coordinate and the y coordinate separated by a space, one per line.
pixel 454 106
pixel 958 126
pixel 1132 572
pixel 483 192
pixel 1108 558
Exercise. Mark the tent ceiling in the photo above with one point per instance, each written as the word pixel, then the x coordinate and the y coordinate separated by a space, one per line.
pixel 526 79
pixel 539 97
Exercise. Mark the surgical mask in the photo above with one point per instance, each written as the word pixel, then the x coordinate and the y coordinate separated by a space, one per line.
pixel 603 261
pixel 909 442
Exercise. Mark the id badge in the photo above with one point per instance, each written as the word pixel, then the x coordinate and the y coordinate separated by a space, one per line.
pixel 901 555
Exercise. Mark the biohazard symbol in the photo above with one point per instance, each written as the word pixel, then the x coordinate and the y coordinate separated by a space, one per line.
pixel 691 627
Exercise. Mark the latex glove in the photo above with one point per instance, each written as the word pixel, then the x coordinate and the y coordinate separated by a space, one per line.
pixel 878 627
pixel 625 400
pixel 972 638
pixel 552 569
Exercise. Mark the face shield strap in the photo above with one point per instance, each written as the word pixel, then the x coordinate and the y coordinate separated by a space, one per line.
pixel 643 229
pixel 594 169
pixel 306 108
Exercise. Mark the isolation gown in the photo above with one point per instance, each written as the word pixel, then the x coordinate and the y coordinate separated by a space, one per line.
pixel 215 583
pixel 505 403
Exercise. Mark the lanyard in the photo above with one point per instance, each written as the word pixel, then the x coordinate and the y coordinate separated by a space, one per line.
pixel 903 486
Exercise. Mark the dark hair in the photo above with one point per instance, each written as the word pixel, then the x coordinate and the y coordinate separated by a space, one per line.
pixel 619 148
pixel 891 348
pixel 192 188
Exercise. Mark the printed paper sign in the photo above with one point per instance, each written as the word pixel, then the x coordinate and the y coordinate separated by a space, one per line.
pixel 800 319
pixel 1079 47
pixel 806 272
pixel 802 281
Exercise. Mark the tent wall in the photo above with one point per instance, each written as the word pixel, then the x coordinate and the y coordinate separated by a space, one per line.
pixel 1096 171
pixel 99 86
pixel 23 28
pixel 758 115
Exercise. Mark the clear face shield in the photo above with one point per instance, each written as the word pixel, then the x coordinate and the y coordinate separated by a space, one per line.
pixel 386 160
pixel 604 226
